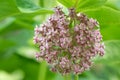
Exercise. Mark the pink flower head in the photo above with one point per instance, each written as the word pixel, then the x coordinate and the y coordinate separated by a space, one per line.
pixel 69 47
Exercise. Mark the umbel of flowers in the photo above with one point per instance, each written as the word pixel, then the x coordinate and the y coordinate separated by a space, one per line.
pixel 69 42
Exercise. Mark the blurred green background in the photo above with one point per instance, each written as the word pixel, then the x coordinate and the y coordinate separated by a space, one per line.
pixel 17 51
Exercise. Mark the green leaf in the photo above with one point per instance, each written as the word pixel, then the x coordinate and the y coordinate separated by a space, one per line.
pixel 29 6
pixel 8 8
pixel 112 52
pixel 48 4
pixel 83 4
pixel 88 4
pixel 14 62
pixel 27 52
pixel 109 20
pixel 113 4
pixel 67 3
pixel 5 23
pixel 6 46
pixel 109 62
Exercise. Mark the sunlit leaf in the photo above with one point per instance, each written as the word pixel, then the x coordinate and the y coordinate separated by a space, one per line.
pixel 15 75
pixel 27 52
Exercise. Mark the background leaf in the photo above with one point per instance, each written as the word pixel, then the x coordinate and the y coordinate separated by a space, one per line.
pixel 108 63
pixel 67 3
pixel 112 52
pixel 82 4
pixel 106 67
pixel 89 4
pixel 8 8
pixel 27 5
pixel 113 4
pixel 109 20
pixel 17 62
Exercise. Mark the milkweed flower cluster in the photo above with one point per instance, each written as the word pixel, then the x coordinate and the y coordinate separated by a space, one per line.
pixel 69 42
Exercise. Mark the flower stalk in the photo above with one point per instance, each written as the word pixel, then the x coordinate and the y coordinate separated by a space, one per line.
pixel 76 77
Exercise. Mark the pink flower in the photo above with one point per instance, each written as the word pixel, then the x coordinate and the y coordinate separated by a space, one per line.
pixel 69 48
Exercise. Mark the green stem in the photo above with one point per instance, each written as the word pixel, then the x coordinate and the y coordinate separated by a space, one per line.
pixel 42 71
pixel 41 2
pixel 76 77
pixel 67 77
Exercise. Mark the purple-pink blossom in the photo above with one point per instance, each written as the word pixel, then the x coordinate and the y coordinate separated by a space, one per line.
pixel 69 42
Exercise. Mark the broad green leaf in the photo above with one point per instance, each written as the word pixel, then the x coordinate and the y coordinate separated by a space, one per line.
pixel 6 46
pixel 6 22
pixel 48 4
pixel 83 4
pixel 15 75
pixel 29 67
pixel 30 6
pixel 8 8
pixel 109 20
pixel 112 52
pixel 89 4
pixel 20 37
pixel 27 52
pixel 33 14
pixel 67 3
pixel 27 4
pixel 16 41
pixel 113 4
pixel 110 62
pixel 104 72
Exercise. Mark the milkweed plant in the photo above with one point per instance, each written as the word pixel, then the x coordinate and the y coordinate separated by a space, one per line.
pixel 68 42
pixel 61 39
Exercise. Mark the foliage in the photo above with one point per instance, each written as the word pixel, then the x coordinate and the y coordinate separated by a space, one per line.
pixel 17 21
